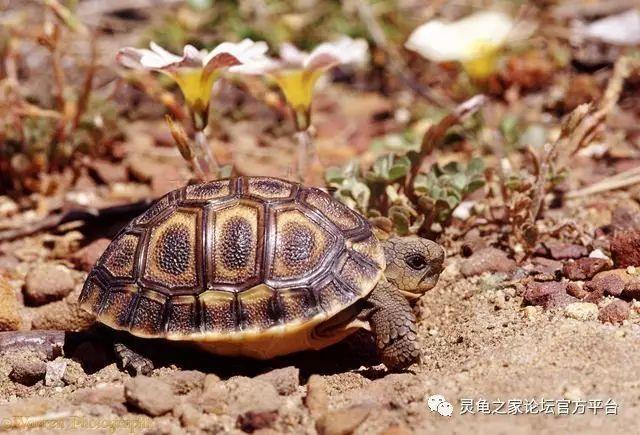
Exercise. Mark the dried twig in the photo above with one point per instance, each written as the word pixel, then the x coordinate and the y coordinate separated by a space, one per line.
pixel 436 133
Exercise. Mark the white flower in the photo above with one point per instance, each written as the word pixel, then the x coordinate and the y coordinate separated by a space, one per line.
pixel 474 38
pixel 619 29
pixel 196 70
pixel 297 72
pixel 326 55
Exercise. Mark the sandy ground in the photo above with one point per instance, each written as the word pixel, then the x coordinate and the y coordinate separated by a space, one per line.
pixel 478 341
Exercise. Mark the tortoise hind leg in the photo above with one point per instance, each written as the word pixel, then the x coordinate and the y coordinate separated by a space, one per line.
pixel 393 325
pixel 130 360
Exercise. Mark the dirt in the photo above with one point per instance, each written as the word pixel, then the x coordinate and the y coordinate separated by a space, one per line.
pixel 534 315
pixel 480 340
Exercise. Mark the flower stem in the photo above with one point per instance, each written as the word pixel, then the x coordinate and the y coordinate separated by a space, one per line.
pixel 307 155
pixel 204 163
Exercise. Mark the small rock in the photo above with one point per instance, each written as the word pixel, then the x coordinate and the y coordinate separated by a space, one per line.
pixel 545 266
pixel 317 399
pixel 251 421
pixel 65 315
pixel 611 282
pixel 85 258
pixel 487 260
pixel 210 381
pixel 584 268
pixel 55 372
pixel 46 283
pixel 10 319
pixel 74 374
pixel 531 312
pixel 102 394
pixel 185 381
pixel 581 311
pixel 615 312
pixel 286 380
pixel 189 416
pixel 625 248
pixel 625 218
pixel 343 421
pixel 547 294
pixel 566 251
pixel 576 290
pixel 149 395
pixel 239 395
pixel 27 369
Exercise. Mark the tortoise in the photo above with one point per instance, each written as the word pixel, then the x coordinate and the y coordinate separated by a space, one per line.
pixel 261 267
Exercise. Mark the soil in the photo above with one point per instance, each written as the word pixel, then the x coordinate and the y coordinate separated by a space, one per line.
pixel 557 322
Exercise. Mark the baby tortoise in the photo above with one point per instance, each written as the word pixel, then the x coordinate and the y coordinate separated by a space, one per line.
pixel 261 267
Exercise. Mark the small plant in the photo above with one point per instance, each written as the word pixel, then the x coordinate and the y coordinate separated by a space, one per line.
pixel 44 132
pixel 401 197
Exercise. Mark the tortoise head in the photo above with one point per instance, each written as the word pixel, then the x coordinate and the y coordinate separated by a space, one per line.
pixel 413 264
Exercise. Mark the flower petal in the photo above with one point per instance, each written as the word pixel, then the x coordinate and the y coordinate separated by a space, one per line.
pixel 343 51
pixel 440 41
pixel 130 57
pixel 292 56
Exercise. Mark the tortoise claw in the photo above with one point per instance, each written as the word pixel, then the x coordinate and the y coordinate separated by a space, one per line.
pixel 131 361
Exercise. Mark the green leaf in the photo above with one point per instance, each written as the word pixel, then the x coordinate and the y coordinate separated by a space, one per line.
pixel 459 181
pixel 475 166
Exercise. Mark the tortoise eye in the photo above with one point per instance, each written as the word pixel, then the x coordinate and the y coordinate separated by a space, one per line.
pixel 416 261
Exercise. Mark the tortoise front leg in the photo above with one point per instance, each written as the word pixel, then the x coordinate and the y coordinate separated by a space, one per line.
pixel 393 325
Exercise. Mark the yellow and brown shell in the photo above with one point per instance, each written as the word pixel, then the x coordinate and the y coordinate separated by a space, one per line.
pixel 234 258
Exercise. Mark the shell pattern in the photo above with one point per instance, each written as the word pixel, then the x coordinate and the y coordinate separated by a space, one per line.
pixel 237 255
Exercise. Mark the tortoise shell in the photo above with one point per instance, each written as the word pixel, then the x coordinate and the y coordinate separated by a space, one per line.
pixel 233 257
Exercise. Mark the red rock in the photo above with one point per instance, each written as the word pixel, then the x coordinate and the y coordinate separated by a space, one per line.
pixel 252 421
pixel 624 218
pixel 566 251
pixel 615 312
pixel 609 283
pixel 487 260
pixel 542 265
pixel 86 257
pixel 584 268
pixel 547 294
pixel 625 248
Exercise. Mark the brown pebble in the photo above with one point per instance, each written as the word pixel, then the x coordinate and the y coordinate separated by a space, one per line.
pixel 625 248
pixel 343 421
pixel 149 395
pixel 487 260
pixel 27 369
pixel 615 312
pixel 10 319
pixel 286 380
pixel 251 421
pixel 584 268
pixel 317 399
pixel 566 251
pixel 547 294
pixel 47 283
